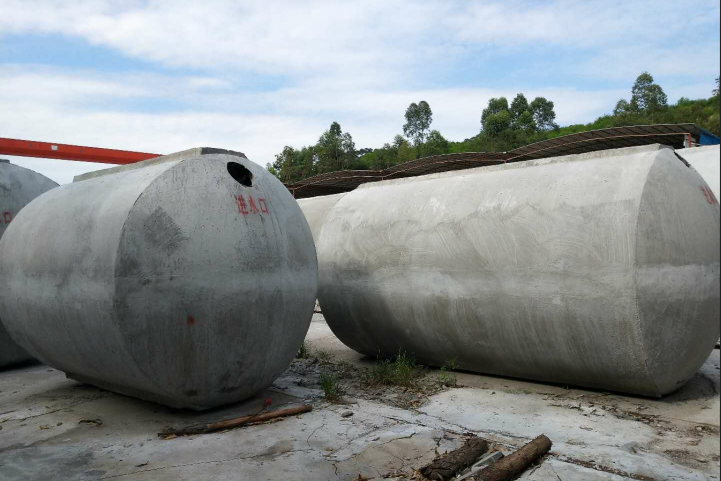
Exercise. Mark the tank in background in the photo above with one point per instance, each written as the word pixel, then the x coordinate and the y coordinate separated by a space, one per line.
pixel 706 160
pixel 18 186
pixel 597 270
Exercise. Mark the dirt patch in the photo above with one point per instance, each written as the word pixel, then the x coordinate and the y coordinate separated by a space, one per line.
pixel 606 469
pixel 358 382
pixel 685 458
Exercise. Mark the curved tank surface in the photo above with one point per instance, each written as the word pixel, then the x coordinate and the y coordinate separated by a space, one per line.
pixel 188 280
pixel 18 186
pixel 316 209
pixel 597 270
pixel 706 160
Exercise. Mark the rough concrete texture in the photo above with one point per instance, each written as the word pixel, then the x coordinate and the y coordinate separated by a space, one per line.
pixel 706 161
pixel 597 270
pixel 56 429
pixel 18 186
pixel 316 209
pixel 172 282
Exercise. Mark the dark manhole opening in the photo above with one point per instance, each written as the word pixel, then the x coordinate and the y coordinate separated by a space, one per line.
pixel 240 174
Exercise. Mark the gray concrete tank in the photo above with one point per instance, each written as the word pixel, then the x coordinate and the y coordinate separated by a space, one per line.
pixel 706 160
pixel 316 209
pixel 188 280
pixel 18 186
pixel 597 270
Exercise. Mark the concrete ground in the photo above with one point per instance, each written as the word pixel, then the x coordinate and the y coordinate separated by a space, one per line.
pixel 52 428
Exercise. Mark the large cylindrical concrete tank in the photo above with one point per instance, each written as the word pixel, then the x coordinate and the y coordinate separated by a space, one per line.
pixel 316 209
pixel 706 160
pixel 188 280
pixel 597 270
pixel 18 186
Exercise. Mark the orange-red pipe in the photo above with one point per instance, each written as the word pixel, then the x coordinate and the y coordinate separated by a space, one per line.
pixel 31 148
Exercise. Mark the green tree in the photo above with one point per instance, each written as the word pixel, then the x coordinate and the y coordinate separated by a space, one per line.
pixel 646 95
pixel 496 124
pixel 335 150
pixel 435 144
pixel 405 151
pixel 398 140
pixel 715 92
pixel 622 107
pixel 543 114
pixel 418 121
pixel 285 164
pixel 386 156
pixel 495 106
pixel 525 123
pixel 292 165
pixel 518 106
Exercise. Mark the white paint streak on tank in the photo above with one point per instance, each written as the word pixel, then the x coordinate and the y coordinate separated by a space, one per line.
pixel 597 270
pixel 188 280
pixel 706 160
pixel 18 186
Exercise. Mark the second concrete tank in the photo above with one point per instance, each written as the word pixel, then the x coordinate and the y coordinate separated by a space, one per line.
pixel 18 186
pixel 706 161
pixel 316 209
pixel 189 280
pixel 598 270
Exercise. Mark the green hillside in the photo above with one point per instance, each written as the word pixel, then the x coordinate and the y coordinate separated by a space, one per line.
pixel 504 127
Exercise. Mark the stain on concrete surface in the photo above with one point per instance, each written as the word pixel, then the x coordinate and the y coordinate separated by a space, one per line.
pixel 162 232
pixel 49 463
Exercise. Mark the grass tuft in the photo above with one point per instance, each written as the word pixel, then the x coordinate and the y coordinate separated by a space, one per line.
pixel 323 356
pixel 303 352
pixel 447 377
pixel 401 370
pixel 331 387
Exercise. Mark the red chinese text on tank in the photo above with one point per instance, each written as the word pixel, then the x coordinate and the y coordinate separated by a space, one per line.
pixel 710 198
pixel 251 205
pixel 6 217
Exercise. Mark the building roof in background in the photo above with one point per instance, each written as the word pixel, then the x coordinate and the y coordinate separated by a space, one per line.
pixel 673 135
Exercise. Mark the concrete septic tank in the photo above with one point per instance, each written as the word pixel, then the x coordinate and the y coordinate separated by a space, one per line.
pixel 188 280
pixel 597 270
pixel 316 209
pixel 18 186
pixel 706 160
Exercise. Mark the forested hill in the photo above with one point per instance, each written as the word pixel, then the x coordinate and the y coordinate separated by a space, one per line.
pixel 503 127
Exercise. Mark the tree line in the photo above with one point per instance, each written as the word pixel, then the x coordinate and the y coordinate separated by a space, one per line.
pixel 504 127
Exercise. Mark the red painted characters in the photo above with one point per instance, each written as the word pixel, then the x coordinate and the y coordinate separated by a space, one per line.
pixel 251 206
pixel 7 217
pixel 710 198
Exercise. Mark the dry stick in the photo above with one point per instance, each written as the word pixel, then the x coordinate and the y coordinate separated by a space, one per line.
pixel 234 423
pixel 448 465
pixel 515 463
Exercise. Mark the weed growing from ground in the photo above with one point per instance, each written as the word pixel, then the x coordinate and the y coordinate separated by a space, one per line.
pixel 323 356
pixel 401 370
pixel 447 377
pixel 331 386
pixel 303 352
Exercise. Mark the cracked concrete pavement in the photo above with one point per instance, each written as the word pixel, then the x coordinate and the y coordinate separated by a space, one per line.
pixel 596 435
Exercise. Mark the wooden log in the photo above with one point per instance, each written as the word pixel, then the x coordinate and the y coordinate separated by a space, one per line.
pixel 448 465
pixel 517 462
pixel 235 422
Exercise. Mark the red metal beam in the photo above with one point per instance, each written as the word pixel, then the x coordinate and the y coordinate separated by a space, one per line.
pixel 47 150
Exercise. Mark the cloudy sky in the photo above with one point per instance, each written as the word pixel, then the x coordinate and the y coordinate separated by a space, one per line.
pixel 165 75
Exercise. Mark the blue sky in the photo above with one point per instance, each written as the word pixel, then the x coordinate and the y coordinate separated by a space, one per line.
pixel 166 75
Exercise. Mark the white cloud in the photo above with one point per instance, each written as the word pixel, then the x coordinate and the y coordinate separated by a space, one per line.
pixel 359 63
pixel 581 23
pixel 295 116
pixel 368 40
